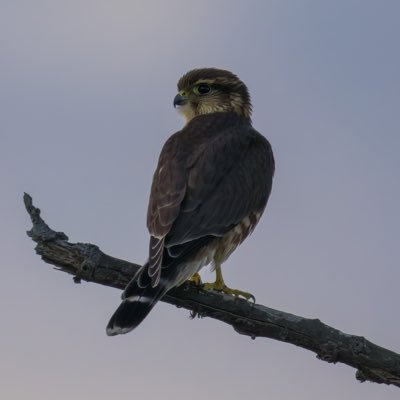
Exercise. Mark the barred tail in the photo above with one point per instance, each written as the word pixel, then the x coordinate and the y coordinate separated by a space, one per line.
pixel 139 298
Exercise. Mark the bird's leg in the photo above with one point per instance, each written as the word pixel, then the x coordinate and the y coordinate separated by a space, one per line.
pixel 196 279
pixel 219 285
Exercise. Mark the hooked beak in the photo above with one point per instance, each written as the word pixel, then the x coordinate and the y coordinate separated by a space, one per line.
pixel 180 100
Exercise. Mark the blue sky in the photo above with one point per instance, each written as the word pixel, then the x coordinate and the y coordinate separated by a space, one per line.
pixel 85 106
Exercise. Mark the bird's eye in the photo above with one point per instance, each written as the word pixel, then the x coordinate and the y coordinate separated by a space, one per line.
pixel 203 88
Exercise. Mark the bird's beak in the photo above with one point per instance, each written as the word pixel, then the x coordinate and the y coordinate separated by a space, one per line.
pixel 180 100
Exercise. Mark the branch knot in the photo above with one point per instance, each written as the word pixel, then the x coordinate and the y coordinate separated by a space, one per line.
pixel 358 344
pixel 328 352
pixel 88 266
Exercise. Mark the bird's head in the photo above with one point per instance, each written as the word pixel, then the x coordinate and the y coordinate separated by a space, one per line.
pixel 209 90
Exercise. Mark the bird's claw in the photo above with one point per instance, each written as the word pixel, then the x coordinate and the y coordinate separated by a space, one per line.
pixel 225 289
pixel 195 279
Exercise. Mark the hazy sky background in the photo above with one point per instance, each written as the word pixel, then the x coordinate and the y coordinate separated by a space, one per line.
pixel 86 90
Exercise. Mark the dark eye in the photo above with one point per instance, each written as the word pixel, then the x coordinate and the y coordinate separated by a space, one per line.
pixel 203 88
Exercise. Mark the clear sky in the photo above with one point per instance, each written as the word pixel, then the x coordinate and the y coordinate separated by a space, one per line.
pixel 86 91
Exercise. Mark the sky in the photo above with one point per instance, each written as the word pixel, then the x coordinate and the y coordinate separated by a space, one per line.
pixel 85 107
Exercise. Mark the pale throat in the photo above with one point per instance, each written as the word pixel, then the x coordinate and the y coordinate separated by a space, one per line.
pixel 188 112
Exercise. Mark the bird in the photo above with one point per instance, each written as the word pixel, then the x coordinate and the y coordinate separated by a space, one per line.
pixel 209 190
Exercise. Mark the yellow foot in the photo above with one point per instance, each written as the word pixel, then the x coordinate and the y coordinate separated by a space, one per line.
pixel 221 287
pixel 196 279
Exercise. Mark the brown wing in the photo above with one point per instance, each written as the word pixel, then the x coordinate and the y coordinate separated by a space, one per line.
pixel 167 192
pixel 228 181
pixel 210 175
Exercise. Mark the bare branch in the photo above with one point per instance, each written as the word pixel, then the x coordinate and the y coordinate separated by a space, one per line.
pixel 87 262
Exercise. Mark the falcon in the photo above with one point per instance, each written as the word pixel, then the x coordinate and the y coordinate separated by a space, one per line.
pixel 209 190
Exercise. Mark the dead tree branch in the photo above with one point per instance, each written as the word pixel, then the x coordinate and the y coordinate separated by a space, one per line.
pixel 87 262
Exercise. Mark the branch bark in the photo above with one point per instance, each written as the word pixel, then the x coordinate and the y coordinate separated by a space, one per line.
pixel 87 262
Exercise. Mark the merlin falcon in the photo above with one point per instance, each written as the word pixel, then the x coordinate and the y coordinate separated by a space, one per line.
pixel 209 190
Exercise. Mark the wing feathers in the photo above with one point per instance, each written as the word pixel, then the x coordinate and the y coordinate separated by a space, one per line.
pixel 210 176
pixel 156 248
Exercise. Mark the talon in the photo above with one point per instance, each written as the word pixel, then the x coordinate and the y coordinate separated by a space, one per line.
pixel 225 289
pixel 219 286
pixel 239 293
pixel 196 279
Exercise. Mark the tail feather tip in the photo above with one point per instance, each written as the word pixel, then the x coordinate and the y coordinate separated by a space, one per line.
pixel 112 330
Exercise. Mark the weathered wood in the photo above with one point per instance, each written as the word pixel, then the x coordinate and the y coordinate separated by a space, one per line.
pixel 87 262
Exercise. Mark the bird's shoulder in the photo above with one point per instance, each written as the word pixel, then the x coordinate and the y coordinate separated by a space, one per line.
pixel 208 132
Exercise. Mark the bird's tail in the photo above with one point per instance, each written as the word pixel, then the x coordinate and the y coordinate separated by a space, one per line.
pixel 138 299
pixel 140 296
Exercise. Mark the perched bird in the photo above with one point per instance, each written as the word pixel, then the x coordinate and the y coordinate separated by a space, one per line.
pixel 209 190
